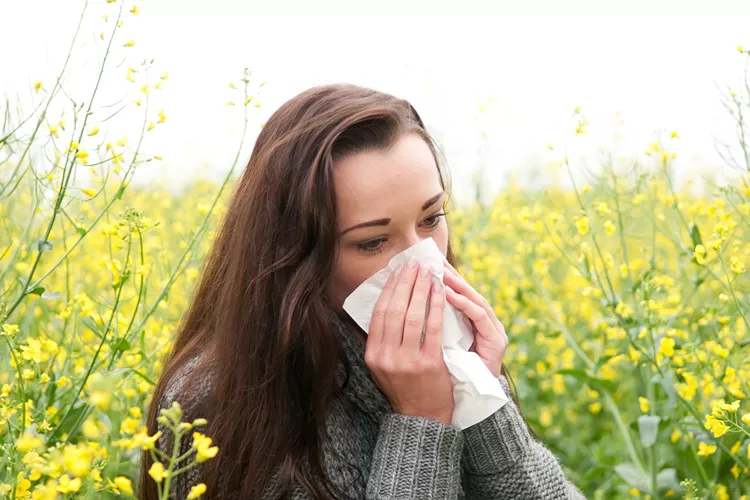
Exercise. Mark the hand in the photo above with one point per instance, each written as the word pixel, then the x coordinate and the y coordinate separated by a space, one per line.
pixel 490 340
pixel 411 373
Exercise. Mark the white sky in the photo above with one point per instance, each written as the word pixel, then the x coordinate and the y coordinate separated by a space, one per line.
pixel 650 65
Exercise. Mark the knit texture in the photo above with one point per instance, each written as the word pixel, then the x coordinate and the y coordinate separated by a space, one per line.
pixel 373 453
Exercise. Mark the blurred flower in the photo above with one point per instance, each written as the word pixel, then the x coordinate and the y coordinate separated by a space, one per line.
pixel 705 450
pixel 157 472
pixel 196 491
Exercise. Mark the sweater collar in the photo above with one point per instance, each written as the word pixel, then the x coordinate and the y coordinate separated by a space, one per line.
pixel 361 389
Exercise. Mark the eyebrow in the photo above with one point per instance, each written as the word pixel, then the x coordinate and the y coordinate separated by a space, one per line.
pixel 384 222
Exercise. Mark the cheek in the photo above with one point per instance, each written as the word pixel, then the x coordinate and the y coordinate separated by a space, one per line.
pixel 350 272
pixel 441 237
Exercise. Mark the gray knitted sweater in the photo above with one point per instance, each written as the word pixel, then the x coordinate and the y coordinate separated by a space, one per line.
pixel 374 453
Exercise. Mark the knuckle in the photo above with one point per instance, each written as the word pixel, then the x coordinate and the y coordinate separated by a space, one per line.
pixel 414 321
pixel 378 312
pixel 396 311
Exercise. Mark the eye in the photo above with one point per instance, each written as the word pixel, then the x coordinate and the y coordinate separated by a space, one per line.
pixel 435 219
pixel 375 246
pixel 372 246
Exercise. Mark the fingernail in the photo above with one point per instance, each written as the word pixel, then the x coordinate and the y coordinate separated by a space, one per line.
pixel 425 271
pixel 437 287
pixel 412 263
pixel 397 271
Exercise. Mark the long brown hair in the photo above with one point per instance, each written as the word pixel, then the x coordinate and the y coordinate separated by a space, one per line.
pixel 258 311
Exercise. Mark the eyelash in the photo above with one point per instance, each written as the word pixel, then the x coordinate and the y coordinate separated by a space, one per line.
pixel 379 249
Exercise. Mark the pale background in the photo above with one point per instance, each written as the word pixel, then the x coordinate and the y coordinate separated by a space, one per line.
pixel 634 67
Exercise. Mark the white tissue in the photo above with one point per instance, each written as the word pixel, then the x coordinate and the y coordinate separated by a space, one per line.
pixel 477 394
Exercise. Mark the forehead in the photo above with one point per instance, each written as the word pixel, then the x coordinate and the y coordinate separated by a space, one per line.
pixel 377 184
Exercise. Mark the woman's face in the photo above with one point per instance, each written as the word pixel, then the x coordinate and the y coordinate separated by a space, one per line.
pixel 387 202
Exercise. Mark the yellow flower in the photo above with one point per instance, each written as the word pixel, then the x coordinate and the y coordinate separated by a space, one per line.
pixel 69 486
pixel 609 227
pixel 28 442
pixel 77 460
pixel 38 85
pixel 101 399
pixel 231 85
pixel 9 330
pixel 124 485
pixel 89 192
pixel 675 435
pixel 666 347
pixel 705 450
pixel 129 43
pixel 157 157
pixel 151 126
pixel 746 418
pixel 643 403
pixel 700 254
pixel 165 76
pixel 230 103
pixel 582 224
pixel 196 491
pixel 134 10
pixel 157 472
pixel 740 49
pixel 675 135
pixel 203 446
pixel 735 471
pixel 53 130
pixel 717 427
pixel 162 116
pixel 94 131
pixel 738 267
pixel 82 154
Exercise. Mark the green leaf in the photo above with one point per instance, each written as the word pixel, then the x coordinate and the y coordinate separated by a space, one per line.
pixel 120 344
pixel 67 425
pixel 81 231
pixel 37 291
pixel 667 480
pixel 596 383
pixel 667 383
pixel 634 476
pixel 648 428
pixel 695 235
pixel 143 376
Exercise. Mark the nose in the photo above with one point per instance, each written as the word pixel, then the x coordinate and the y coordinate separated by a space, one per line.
pixel 412 239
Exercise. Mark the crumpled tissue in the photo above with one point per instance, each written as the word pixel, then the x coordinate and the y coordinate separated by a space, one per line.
pixel 477 394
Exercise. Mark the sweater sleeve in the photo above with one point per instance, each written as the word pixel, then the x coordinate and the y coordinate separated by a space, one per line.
pixel 181 484
pixel 416 457
pixel 502 460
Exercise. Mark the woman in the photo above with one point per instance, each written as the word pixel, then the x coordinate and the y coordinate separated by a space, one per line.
pixel 300 401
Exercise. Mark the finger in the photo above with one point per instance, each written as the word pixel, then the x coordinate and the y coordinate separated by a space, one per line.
pixel 478 316
pixel 396 312
pixel 377 322
pixel 433 334
pixel 415 314
pixel 460 285
pixel 449 265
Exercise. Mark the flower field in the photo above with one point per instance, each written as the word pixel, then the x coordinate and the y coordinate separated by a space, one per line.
pixel 625 298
